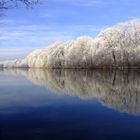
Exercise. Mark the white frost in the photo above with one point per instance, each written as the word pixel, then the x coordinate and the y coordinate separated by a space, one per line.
pixel 117 46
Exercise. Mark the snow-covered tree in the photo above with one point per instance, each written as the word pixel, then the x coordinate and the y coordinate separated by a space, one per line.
pixel 117 46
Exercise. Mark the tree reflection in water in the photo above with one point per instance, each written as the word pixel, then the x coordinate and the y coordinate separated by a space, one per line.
pixel 119 90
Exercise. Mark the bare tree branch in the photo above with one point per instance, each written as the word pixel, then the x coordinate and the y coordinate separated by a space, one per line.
pixel 7 4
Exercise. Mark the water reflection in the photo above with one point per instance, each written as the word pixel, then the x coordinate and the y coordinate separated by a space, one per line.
pixel 119 90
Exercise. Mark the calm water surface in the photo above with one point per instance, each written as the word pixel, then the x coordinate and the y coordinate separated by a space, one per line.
pixel 38 104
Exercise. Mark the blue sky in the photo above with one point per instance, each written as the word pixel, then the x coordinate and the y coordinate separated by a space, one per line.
pixel 23 30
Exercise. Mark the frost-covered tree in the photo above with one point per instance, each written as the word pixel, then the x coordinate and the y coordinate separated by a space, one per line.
pixel 117 47
pixel 121 41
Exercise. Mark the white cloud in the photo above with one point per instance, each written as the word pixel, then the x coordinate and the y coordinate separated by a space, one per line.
pixel 82 2
pixel 32 36
pixel 14 53
pixel 91 2
pixel 45 15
